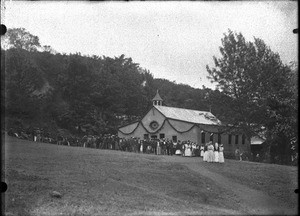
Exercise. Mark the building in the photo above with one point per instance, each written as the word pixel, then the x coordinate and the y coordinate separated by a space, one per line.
pixel 257 144
pixel 184 124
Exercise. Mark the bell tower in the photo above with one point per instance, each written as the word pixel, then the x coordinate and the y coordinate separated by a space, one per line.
pixel 157 101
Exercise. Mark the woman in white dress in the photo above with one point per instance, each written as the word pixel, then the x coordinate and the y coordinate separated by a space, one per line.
pixel 142 146
pixel 210 154
pixel 221 154
pixel 201 151
pixel 188 150
pixel 216 153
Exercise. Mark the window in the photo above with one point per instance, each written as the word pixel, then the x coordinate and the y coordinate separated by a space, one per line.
pixel 202 137
pixel 174 138
pixel 243 139
pixel 229 138
pixel 211 138
pixel 146 136
pixel 236 139
pixel 161 136
pixel 153 137
pixel 219 138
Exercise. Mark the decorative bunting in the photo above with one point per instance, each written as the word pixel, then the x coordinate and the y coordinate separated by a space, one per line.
pixel 166 119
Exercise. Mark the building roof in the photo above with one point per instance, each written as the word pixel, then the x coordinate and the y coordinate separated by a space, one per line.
pixel 193 116
pixel 157 97
pixel 256 140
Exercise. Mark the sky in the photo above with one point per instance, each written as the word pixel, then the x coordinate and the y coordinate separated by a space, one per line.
pixel 173 40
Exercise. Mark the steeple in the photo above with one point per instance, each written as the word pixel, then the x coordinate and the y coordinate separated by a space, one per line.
pixel 157 100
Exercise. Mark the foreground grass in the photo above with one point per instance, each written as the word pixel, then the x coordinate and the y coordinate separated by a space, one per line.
pixel 103 182
pixel 100 182
pixel 277 181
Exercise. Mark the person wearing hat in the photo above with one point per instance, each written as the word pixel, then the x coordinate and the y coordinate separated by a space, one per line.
pixel 221 154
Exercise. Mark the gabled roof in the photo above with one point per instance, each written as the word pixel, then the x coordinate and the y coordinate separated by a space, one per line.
pixel 157 97
pixel 255 140
pixel 187 115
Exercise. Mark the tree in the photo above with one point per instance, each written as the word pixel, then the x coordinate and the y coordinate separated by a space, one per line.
pixel 258 83
pixel 19 38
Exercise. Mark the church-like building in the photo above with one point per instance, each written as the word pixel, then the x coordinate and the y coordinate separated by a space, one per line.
pixel 184 124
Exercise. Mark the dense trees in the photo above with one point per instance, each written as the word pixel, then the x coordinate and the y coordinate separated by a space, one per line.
pixel 19 38
pixel 94 94
pixel 259 89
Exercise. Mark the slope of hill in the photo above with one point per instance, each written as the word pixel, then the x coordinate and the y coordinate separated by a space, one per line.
pixel 105 182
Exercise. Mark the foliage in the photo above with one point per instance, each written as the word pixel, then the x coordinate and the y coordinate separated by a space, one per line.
pixel 19 38
pixel 259 88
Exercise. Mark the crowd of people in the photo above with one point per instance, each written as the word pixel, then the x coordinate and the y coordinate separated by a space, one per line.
pixel 209 152
pixel 105 141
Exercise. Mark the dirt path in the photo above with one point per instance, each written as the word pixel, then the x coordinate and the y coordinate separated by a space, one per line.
pixel 251 201
pixel 205 209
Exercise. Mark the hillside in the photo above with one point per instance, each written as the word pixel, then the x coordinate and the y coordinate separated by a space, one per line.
pixel 94 93
pixel 106 182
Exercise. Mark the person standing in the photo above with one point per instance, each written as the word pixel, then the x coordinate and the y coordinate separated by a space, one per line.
pixel 202 151
pixel 171 148
pixel 216 153
pixel 141 146
pixel 210 154
pixel 237 153
pixel 158 147
pixel 221 154
pixel 168 147
pixel 193 149
pixel 205 152
pixel 188 149
pixel 183 148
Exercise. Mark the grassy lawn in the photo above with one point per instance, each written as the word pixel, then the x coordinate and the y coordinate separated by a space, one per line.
pixel 104 182
pixel 278 181
pixel 99 182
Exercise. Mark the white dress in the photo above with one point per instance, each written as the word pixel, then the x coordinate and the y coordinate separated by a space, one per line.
pixel 210 153
pixel 205 154
pixel 187 151
pixel 141 148
pixel 216 154
pixel 221 155
pixel 202 151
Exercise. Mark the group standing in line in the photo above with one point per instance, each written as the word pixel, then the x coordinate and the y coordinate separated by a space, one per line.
pixel 212 153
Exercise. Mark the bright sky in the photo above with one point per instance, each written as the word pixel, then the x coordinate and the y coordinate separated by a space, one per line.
pixel 174 40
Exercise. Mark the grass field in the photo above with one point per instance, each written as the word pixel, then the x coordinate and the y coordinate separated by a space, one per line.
pixel 105 182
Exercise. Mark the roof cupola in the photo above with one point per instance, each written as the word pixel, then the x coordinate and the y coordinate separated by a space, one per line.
pixel 157 101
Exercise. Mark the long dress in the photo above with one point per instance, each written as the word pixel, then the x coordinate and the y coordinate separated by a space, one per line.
pixel 201 151
pixel 141 147
pixel 221 155
pixel 187 151
pixel 216 154
pixel 210 154
pixel 205 153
